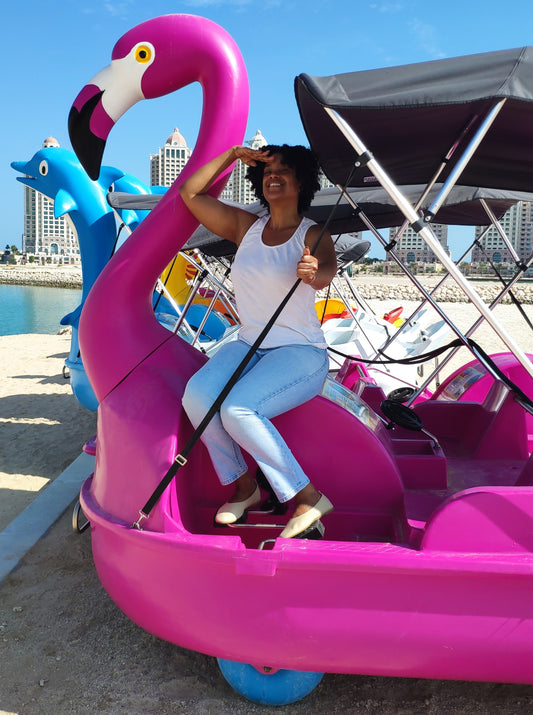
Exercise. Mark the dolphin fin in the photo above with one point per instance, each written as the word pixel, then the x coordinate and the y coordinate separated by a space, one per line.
pixel 63 203
pixel 108 175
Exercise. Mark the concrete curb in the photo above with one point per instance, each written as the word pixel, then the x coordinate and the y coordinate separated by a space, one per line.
pixel 31 524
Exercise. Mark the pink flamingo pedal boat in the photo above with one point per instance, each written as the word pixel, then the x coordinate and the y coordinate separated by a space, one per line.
pixel 426 568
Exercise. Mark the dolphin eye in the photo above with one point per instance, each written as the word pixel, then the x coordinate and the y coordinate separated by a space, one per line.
pixel 143 54
pixel 43 168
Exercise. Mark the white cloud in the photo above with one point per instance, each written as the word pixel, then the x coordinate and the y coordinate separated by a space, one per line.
pixel 387 7
pixel 120 8
pixel 426 36
pixel 211 3
pixel 117 9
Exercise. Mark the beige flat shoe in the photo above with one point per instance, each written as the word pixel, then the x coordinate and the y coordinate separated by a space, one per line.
pixel 230 512
pixel 300 523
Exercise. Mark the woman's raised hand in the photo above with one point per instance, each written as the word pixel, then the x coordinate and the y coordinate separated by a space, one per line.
pixel 307 267
pixel 250 157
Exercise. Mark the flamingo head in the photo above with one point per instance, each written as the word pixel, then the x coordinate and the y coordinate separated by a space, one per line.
pixel 152 59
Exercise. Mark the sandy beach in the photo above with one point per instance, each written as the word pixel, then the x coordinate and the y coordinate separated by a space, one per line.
pixel 67 649
pixel 43 425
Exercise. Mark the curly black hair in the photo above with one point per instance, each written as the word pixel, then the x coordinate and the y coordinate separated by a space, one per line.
pixel 305 165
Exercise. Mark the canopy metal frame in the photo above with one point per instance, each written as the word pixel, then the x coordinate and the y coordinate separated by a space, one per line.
pixel 507 288
pixel 423 228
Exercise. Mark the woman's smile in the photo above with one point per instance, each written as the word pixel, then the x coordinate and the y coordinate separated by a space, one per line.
pixel 278 176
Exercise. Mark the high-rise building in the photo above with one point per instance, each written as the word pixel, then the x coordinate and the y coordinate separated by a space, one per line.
pixel 412 248
pixel 239 186
pixel 517 224
pixel 44 235
pixel 166 165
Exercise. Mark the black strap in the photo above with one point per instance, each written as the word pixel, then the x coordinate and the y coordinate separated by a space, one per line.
pixel 181 458
pixel 478 351
pixel 384 359
pixel 524 399
pixel 321 318
pixel 122 225
pixel 166 280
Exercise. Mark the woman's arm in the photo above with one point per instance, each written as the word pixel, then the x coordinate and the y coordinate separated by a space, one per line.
pixel 319 269
pixel 226 221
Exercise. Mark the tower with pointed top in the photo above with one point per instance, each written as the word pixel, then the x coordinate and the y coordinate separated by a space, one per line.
pixel 241 189
pixel 166 165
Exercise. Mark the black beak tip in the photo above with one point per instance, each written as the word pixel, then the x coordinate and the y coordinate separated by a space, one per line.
pixel 87 146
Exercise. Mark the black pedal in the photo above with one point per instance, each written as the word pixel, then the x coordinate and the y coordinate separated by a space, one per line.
pixel 272 504
pixel 313 532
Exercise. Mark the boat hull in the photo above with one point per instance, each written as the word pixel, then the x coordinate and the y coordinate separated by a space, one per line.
pixel 371 608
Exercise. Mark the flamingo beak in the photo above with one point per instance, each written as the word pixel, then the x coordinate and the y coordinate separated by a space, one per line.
pixel 86 128
pixel 98 107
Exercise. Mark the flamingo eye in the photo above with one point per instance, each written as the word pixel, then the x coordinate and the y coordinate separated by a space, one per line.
pixel 143 54
pixel 43 168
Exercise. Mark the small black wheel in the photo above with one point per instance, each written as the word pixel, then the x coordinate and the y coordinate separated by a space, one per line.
pixel 401 415
pixel 401 394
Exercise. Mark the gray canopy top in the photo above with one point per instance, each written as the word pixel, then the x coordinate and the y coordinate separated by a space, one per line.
pixel 410 117
pixel 463 207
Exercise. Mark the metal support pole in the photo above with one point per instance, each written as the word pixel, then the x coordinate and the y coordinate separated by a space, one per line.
pixel 465 158
pixel 471 330
pixel 501 233
pixel 431 240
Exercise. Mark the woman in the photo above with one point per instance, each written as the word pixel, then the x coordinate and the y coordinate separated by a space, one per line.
pixel 291 363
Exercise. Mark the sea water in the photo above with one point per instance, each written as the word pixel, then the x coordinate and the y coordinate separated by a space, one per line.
pixel 35 309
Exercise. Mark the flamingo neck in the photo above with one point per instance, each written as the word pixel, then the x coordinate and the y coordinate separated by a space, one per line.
pixel 118 311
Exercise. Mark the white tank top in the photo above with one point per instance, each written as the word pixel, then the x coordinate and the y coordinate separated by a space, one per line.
pixel 262 276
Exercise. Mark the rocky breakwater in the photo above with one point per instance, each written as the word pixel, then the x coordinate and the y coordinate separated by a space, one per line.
pixel 399 288
pixel 53 276
pixel 370 286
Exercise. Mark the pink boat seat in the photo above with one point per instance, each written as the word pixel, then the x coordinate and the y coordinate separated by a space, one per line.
pixel 495 429
pixel 351 459
pixel 483 520
pixel 347 455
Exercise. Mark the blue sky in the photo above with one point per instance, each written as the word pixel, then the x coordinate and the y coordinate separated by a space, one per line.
pixel 53 47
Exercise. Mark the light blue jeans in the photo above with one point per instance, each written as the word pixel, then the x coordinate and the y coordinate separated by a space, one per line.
pixel 275 380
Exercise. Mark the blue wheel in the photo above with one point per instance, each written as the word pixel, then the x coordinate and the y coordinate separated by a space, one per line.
pixel 281 687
